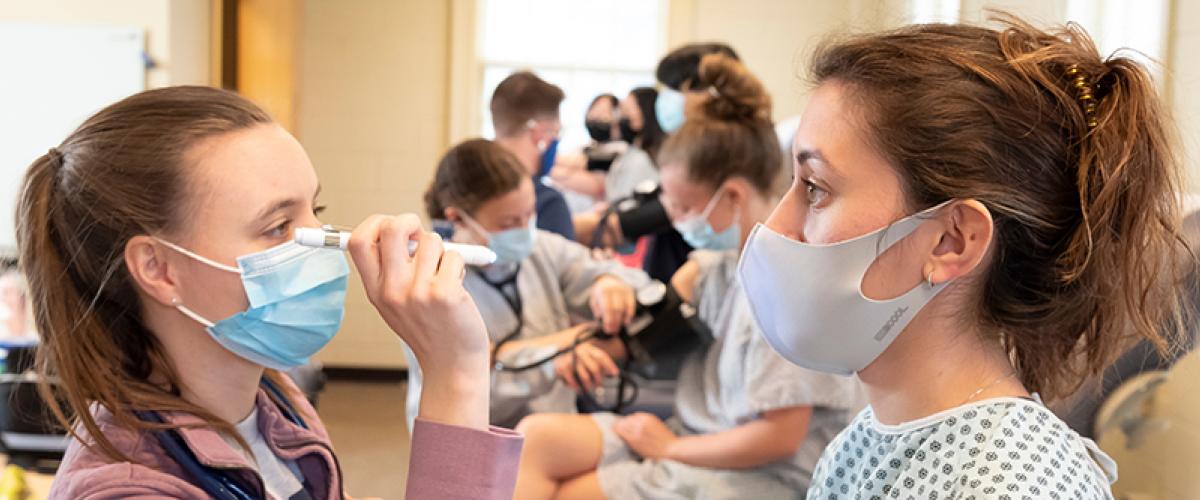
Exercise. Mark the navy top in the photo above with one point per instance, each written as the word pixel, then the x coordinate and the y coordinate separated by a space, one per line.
pixel 552 212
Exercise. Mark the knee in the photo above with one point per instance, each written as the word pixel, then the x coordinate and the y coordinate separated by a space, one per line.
pixel 535 427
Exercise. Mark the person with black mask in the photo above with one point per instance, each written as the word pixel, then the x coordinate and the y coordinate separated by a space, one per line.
pixel 584 172
pixel 635 167
pixel 666 251
pixel 639 127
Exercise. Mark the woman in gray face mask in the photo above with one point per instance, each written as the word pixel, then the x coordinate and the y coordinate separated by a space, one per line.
pixel 542 294
pixel 981 217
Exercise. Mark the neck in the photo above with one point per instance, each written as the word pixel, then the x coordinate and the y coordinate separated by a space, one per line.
pixel 209 375
pixel 757 210
pixel 936 365
pixel 521 147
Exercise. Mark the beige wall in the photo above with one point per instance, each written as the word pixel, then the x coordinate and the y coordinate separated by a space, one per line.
pixel 372 113
pixel 1185 83
pixel 178 32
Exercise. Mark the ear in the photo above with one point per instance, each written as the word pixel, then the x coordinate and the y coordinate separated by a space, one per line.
pixel 737 191
pixel 452 214
pixel 965 240
pixel 148 266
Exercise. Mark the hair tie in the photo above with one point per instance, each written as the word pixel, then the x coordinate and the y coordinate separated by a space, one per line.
pixel 714 92
pixel 1084 93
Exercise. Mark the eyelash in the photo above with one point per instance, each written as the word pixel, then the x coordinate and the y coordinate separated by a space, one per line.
pixel 809 189
pixel 281 230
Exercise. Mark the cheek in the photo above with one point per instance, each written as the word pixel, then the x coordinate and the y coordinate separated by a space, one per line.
pixel 211 292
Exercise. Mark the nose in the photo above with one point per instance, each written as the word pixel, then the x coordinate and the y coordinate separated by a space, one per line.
pixel 788 217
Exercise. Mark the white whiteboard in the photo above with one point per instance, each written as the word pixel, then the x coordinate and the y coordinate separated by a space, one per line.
pixel 52 77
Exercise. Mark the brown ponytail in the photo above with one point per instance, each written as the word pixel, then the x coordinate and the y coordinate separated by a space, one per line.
pixel 1084 197
pixel 120 174
pixel 729 132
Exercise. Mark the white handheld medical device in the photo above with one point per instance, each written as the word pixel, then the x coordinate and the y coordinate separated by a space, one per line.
pixel 316 237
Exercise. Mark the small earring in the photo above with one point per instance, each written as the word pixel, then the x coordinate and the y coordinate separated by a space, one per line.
pixel 929 278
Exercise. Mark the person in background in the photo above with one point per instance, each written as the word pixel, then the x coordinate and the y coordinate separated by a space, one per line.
pixel 639 126
pixel 543 293
pixel 747 423
pixel 14 306
pixel 635 166
pixel 666 250
pixel 981 218
pixel 678 72
pixel 525 118
pixel 167 319
pixel 584 172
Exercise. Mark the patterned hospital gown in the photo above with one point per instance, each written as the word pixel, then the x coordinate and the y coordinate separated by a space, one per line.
pixel 996 449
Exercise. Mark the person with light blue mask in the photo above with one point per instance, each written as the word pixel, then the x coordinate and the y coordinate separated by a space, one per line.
pixel 678 72
pixel 169 294
pixel 747 423
pixel 542 293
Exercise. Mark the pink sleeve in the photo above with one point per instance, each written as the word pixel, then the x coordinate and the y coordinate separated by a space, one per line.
pixel 451 462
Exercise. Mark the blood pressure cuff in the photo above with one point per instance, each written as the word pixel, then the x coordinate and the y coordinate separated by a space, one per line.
pixel 642 219
pixel 664 333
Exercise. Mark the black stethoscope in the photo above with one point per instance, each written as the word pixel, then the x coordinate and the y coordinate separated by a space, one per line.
pixel 514 301
pixel 218 483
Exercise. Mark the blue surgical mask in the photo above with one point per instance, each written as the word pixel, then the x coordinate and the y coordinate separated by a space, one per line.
pixel 699 233
pixel 549 155
pixel 511 245
pixel 297 299
pixel 668 106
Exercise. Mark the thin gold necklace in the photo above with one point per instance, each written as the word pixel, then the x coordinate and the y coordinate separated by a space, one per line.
pixel 986 387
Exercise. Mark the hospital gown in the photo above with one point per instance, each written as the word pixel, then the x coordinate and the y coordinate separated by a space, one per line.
pixel 730 383
pixel 1003 448
pixel 555 283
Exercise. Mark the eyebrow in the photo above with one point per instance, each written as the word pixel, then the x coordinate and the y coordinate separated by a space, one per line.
pixel 804 156
pixel 283 205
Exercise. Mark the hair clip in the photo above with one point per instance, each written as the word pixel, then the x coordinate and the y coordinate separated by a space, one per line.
pixel 1084 93
pixel 713 91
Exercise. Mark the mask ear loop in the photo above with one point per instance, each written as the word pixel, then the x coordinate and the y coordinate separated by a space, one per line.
pixel 475 226
pixel 195 256
pixel 190 313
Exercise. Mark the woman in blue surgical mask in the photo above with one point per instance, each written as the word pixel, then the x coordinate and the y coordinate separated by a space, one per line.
pixel 980 219
pixel 157 239
pixel 747 423
pixel 540 296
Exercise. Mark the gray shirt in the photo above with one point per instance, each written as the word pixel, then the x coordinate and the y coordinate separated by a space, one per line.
pixel 740 376
pixel 555 284
pixel 633 167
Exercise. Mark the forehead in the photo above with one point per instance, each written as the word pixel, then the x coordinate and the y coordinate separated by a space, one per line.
pixel 678 188
pixel 246 168
pixel 829 122
pixel 602 105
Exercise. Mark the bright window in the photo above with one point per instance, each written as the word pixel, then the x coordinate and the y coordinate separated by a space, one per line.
pixel 934 11
pixel 587 47
pixel 1114 24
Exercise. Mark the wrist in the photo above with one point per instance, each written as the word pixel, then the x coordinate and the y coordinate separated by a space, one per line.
pixel 675 450
pixel 458 396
